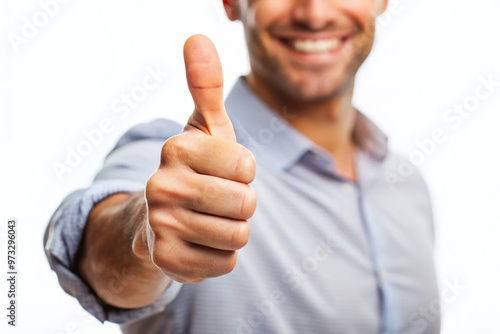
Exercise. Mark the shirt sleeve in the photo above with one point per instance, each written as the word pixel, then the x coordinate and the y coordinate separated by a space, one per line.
pixel 126 169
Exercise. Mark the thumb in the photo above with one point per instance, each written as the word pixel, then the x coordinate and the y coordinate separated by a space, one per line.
pixel 205 82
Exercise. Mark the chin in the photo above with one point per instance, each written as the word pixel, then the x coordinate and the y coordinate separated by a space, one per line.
pixel 315 90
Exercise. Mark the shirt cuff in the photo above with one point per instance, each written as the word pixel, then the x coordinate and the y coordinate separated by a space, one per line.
pixel 62 240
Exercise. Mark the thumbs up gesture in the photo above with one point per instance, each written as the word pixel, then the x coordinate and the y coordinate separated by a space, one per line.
pixel 199 199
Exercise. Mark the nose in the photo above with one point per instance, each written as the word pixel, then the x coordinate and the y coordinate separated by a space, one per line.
pixel 314 14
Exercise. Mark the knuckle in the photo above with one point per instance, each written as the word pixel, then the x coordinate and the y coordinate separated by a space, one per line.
pixel 164 189
pixel 240 235
pixel 163 220
pixel 248 203
pixel 245 166
pixel 169 149
pixel 160 259
pixel 171 227
pixel 167 256
pixel 154 219
pixel 175 148
pixel 229 263
pixel 152 186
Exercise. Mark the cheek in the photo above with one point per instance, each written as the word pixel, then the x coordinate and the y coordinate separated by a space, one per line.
pixel 262 14
pixel 362 12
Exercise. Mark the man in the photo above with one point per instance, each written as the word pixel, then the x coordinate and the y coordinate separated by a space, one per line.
pixel 332 248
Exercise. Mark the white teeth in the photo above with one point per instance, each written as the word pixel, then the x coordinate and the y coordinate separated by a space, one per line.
pixel 315 46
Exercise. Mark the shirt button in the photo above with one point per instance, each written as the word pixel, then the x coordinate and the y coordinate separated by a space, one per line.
pixel 346 187
pixel 383 275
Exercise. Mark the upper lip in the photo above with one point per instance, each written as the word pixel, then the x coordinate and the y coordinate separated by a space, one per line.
pixel 342 35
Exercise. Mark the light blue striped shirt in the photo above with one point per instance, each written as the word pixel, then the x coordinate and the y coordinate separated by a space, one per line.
pixel 326 255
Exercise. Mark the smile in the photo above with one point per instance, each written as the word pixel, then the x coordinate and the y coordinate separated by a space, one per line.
pixel 313 46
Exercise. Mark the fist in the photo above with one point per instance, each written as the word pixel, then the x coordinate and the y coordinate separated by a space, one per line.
pixel 199 199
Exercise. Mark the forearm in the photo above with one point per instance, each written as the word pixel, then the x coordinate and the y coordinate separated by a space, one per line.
pixel 107 260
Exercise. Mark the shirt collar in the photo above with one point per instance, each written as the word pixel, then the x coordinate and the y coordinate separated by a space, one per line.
pixel 275 143
pixel 369 138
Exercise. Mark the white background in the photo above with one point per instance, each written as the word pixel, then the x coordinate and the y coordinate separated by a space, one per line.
pixel 64 80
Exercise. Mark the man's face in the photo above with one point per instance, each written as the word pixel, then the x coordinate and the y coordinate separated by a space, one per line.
pixel 307 50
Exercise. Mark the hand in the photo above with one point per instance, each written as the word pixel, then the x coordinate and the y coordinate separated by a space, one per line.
pixel 199 199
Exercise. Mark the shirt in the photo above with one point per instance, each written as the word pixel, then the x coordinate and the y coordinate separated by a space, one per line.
pixel 325 255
